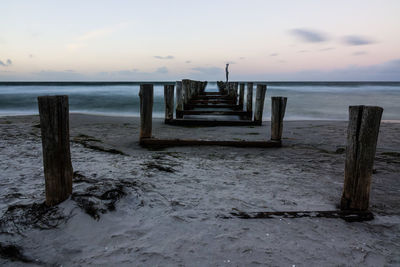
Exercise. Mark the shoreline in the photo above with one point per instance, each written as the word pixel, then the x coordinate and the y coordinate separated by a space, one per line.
pixel 161 117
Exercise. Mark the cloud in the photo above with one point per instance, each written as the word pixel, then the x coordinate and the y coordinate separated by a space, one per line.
pixel 309 36
pixel 302 51
pixel 241 58
pixel 7 64
pixel 82 40
pixel 357 40
pixel 30 56
pixel 188 61
pixel 326 49
pixel 208 70
pixel 273 54
pixel 359 53
pixel 166 57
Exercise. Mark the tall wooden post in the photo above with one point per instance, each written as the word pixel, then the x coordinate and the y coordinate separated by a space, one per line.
pixel 259 108
pixel 169 102
pixel 54 125
pixel 241 96
pixel 235 90
pixel 362 136
pixel 278 106
pixel 185 90
pixel 179 100
pixel 249 101
pixel 146 110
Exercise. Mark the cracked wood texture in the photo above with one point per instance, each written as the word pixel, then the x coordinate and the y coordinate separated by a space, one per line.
pixel 54 125
pixel 146 110
pixel 362 136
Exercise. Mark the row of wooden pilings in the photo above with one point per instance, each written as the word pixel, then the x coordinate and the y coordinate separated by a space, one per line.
pixel 187 89
pixel 362 135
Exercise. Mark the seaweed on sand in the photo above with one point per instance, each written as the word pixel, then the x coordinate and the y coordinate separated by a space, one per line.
pixel 37 215
pixel 101 196
pixel 13 253
pixel 92 143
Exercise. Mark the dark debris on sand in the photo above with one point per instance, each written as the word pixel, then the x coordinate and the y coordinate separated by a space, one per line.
pixel 100 196
pixel 13 253
pixel 20 217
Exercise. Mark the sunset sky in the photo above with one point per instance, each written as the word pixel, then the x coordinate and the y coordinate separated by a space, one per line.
pixel 170 40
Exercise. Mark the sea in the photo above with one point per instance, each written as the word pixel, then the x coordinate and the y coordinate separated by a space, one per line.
pixel 306 100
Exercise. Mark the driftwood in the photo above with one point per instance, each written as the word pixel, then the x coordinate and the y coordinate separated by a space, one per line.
pixel 210 123
pixel 152 142
pixel 362 136
pixel 54 125
pixel 349 216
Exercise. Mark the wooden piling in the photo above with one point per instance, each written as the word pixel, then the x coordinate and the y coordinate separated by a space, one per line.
pixel 186 90
pixel 146 110
pixel 241 96
pixel 179 100
pixel 235 91
pixel 278 106
pixel 362 136
pixel 169 102
pixel 54 125
pixel 249 100
pixel 259 108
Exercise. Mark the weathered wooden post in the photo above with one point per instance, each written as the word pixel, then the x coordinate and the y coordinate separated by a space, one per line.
pixel 362 136
pixel 241 96
pixel 54 125
pixel 249 103
pixel 146 110
pixel 278 106
pixel 235 90
pixel 179 100
pixel 185 90
pixel 169 102
pixel 259 108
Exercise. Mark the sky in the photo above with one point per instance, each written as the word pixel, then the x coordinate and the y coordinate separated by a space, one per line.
pixel 287 40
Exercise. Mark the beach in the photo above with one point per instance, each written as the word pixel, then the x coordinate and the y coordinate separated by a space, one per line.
pixel 172 206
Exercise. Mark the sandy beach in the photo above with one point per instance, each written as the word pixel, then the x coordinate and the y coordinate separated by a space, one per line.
pixel 133 206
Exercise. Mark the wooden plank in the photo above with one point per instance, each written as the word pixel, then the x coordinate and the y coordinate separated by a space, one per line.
pixel 146 110
pixel 210 93
pixel 214 112
pixel 211 97
pixel 210 123
pixel 362 137
pixel 278 106
pixel 169 101
pixel 221 101
pixel 179 100
pixel 259 108
pixel 349 216
pixel 54 125
pixel 152 142
pixel 192 106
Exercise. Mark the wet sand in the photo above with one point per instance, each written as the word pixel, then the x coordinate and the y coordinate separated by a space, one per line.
pixel 134 206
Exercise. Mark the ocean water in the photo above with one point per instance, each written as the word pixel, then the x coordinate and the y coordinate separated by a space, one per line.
pixel 306 100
